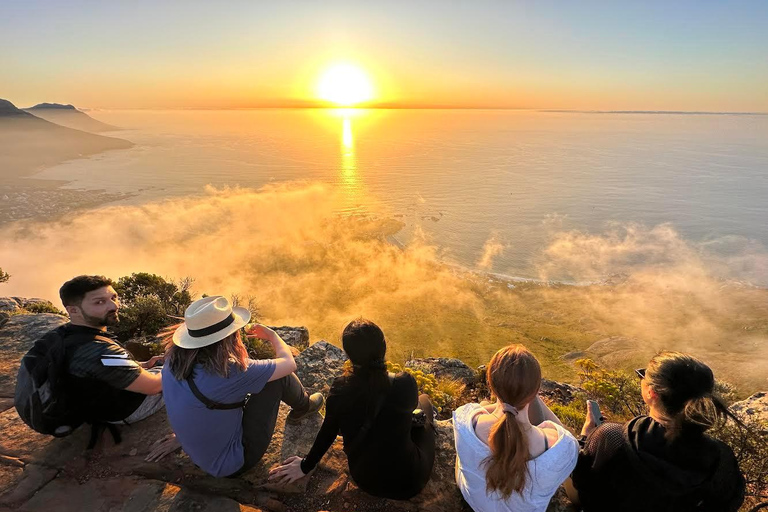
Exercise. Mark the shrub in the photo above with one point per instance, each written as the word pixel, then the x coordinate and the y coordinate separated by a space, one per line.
pixel 427 384
pixel 43 307
pixel 145 316
pixel 4 276
pixel 257 349
pixel 175 297
pixel 572 415
pixel 617 392
pixel 149 304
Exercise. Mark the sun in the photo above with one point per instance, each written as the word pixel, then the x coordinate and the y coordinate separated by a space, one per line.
pixel 345 85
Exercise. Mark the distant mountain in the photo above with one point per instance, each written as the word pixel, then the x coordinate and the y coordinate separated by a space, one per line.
pixel 8 109
pixel 69 116
pixel 29 143
pixel 57 106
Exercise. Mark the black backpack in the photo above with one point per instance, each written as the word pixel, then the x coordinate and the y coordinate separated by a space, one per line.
pixel 39 399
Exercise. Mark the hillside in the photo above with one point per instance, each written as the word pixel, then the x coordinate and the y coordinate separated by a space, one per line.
pixel 69 116
pixel 29 143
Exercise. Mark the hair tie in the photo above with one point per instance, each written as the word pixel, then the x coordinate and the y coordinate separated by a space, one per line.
pixel 509 408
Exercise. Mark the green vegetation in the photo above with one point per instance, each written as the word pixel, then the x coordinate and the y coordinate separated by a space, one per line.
pixel 43 307
pixel 442 393
pixel 150 304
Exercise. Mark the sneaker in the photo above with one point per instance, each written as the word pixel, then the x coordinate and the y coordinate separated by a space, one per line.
pixel 316 401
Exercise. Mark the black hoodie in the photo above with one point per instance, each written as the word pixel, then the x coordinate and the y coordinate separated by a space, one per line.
pixel 634 467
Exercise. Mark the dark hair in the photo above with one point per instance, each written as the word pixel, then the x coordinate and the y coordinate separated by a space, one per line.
pixel 73 291
pixel 214 358
pixel 514 377
pixel 364 343
pixel 685 387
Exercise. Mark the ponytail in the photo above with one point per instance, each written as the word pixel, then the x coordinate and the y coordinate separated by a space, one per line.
pixel 506 468
pixel 514 377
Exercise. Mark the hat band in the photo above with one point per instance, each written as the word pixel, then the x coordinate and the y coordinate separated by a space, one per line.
pixel 199 333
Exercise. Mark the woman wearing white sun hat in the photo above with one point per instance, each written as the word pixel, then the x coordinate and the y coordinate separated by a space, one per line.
pixel 222 405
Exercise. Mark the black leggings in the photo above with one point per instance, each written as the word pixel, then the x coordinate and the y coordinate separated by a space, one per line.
pixel 369 477
pixel 260 416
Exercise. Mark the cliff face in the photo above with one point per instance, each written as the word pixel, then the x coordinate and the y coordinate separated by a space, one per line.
pixel 40 472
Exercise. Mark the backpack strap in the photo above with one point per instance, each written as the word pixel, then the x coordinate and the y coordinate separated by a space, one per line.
pixel 362 434
pixel 210 404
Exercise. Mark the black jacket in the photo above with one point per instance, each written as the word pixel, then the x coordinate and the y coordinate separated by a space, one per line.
pixel 634 467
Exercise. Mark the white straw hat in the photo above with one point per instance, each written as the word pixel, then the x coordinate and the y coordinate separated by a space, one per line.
pixel 209 320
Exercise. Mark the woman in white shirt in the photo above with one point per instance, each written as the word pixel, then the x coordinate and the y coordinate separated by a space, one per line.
pixel 513 454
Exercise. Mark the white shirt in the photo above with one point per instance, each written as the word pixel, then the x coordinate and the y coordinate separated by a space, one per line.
pixel 545 473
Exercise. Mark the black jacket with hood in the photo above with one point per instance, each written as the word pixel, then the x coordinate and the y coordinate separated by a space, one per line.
pixel 634 467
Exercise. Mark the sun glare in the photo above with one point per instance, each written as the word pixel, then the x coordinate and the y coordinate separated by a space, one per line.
pixel 345 85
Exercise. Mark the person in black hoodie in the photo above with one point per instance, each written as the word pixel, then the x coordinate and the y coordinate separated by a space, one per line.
pixel 389 454
pixel 663 462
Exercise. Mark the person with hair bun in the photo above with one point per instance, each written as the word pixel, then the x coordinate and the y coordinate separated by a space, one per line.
pixel 513 454
pixel 389 451
pixel 663 462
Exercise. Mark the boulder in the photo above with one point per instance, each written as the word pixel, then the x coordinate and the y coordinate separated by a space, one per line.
pixel 558 392
pixel 318 365
pixel 294 336
pixel 16 337
pixel 9 304
pixel 754 407
pixel 445 367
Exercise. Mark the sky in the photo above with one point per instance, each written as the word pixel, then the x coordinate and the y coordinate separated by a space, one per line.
pixel 684 55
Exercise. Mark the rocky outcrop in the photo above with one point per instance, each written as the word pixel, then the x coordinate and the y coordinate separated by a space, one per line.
pixel 754 407
pixel 318 365
pixel 16 337
pixel 294 336
pixel 445 367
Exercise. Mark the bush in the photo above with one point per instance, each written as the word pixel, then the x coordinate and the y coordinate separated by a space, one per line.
pixel 257 349
pixel 43 307
pixel 617 392
pixel 149 304
pixel 427 384
pixel 572 415
pixel 175 297
pixel 145 316
pixel 4 276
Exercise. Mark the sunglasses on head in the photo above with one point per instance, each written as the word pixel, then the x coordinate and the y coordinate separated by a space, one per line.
pixel 640 372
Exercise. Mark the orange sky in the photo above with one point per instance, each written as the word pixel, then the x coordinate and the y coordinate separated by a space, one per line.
pixel 593 56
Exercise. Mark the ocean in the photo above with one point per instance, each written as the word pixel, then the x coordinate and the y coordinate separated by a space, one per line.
pixel 465 179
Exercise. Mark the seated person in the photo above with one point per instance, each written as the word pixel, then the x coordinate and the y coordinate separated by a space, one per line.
pixel 511 455
pixel 109 385
pixel 222 405
pixel 389 456
pixel 663 461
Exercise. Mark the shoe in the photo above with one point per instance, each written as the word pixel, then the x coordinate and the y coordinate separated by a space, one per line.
pixel 316 401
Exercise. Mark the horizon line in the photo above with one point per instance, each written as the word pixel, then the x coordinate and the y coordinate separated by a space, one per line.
pixel 444 107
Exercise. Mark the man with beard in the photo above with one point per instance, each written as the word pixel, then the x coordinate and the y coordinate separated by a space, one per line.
pixel 109 384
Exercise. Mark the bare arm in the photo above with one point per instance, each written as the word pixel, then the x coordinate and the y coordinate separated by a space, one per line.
pixel 147 383
pixel 284 362
pixel 539 412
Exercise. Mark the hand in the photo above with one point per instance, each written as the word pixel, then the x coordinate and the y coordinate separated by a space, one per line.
pixel 151 362
pixel 260 331
pixel 163 447
pixel 289 472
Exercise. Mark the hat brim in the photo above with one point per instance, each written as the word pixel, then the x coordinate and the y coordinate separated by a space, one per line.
pixel 181 337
